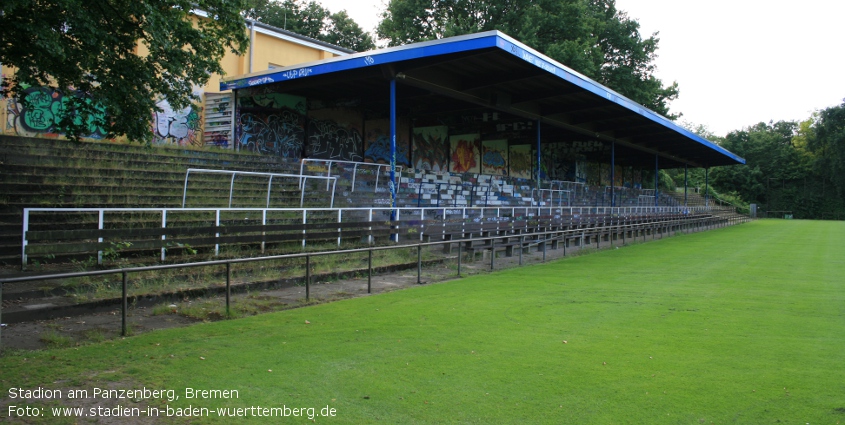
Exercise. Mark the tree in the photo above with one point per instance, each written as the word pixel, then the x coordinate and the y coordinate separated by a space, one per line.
pixel 590 36
pixel 307 18
pixel 89 48
pixel 828 142
pixel 345 32
pixel 311 19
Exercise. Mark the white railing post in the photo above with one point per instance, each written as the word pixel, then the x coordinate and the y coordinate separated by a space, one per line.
pixel 354 174
pixel 23 237
pixel 185 189
pixel 334 186
pixel 328 174
pixel 370 236
pixel 163 236
pixel 339 215
pixel 216 234
pixel 422 222
pixel 302 191
pixel 263 232
pixel 304 222
pixel 100 239
pixel 269 186
pixel 232 188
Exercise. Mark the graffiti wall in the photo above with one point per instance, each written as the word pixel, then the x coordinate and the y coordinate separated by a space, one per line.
pixel 377 143
pixel 581 169
pixel 520 162
pixel 271 123
pixel 335 133
pixel 637 178
pixel 466 153
pixel 557 161
pixel 181 127
pixel 593 173
pixel 494 157
pixel 43 111
pixel 429 148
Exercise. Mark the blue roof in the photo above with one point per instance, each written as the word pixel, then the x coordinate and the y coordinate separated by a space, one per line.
pixel 609 107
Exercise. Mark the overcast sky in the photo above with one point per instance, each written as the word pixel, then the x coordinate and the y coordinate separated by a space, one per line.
pixel 737 62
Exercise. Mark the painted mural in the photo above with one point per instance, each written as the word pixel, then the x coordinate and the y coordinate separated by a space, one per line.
pixel 182 127
pixel 558 162
pixel 638 178
pixel 335 133
pixel 43 110
pixel 494 157
pixel 279 134
pixel 378 142
pixel 430 151
pixel 519 161
pixel 466 153
pixel 593 174
pixel 271 123
pixel 581 169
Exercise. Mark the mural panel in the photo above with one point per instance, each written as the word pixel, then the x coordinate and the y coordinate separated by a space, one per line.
pixel 430 152
pixel 335 133
pixel 378 142
pixel 593 174
pixel 280 134
pixel 45 110
pixel 466 153
pixel 182 127
pixel 519 161
pixel 494 157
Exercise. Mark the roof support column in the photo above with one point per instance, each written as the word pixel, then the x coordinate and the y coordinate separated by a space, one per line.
pixel 392 183
pixel 706 187
pixel 656 182
pixel 538 159
pixel 612 174
pixel 233 135
pixel 685 184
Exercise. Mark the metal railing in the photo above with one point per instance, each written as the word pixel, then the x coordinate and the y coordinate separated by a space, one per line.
pixel 547 236
pixel 385 214
pixel 302 180
pixel 355 165
pixel 551 197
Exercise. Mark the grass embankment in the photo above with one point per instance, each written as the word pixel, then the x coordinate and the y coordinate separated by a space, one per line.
pixel 738 325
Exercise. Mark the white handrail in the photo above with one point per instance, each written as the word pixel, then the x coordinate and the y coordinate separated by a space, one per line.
pixel 234 173
pixel 355 165
pixel 405 211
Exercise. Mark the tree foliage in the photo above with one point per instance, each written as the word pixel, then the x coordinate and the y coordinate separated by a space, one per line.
pixel 791 166
pixel 590 36
pixel 311 19
pixel 89 47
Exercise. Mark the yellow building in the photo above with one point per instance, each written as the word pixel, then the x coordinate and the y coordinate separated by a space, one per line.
pixel 210 122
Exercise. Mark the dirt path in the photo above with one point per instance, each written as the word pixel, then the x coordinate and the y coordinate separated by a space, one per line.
pixel 95 327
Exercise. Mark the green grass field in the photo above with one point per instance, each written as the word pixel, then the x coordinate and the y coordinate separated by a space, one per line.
pixel 737 325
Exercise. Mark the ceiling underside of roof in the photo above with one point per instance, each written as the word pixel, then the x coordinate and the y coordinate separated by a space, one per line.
pixel 493 79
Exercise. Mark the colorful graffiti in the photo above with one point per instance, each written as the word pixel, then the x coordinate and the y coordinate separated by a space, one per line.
pixel 557 162
pixel 218 119
pixel 520 162
pixel 594 174
pixel 430 151
pixel 466 153
pixel 281 134
pixel 41 110
pixel 182 127
pixel 637 178
pixel 494 157
pixel 328 140
pixel 378 142
pixel 379 152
